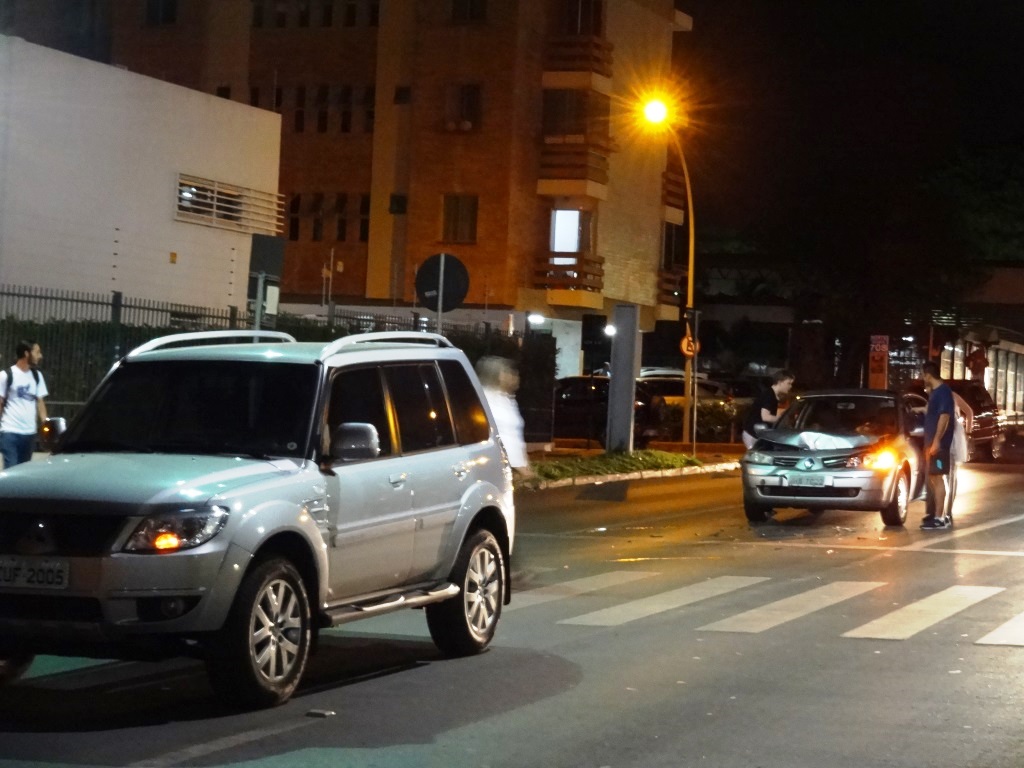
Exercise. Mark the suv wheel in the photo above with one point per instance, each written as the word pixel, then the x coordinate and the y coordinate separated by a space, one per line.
pixel 465 624
pixel 257 658
pixel 14 666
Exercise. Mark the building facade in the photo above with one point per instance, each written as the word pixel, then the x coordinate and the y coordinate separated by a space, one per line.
pixel 498 131
pixel 112 181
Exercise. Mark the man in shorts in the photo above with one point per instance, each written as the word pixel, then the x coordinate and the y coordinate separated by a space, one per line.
pixel 938 439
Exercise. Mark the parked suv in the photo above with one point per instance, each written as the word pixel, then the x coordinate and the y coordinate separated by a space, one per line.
pixel 229 494
pixel 987 434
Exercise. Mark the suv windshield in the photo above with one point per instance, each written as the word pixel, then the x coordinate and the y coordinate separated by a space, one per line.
pixel 842 415
pixel 210 407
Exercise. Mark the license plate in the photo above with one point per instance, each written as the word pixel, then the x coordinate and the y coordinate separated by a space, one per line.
pixel 34 573
pixel 807 481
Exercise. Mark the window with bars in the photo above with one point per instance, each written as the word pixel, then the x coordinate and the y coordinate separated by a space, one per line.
pixel 369 108
pixel 463 107
pixel 459 224
pixel 349 14
pixel 303 12
pixel 327 13
pixel 374 12
pixel 341 211
pixel 280 14
pixel 580 17
pixel 258 14
pixel 161 12
pixel 345 108
pixel 464 11
pixel 226 206
pixel 322 99
pixel 294 217
pixel 300 108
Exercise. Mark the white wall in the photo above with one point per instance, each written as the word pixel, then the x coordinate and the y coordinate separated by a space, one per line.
pixel 89 158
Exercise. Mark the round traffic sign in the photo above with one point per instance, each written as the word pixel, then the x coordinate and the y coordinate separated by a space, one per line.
pixel 430 282
pixel 689 346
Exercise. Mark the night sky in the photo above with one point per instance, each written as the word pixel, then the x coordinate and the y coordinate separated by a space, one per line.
pixel 788 94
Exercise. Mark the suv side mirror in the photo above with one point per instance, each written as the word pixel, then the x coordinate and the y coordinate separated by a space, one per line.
pixel 53 428
pixel 354 441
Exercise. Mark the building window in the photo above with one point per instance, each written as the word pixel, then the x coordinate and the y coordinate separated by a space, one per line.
pixel 322 98
pixel 374 10
pixel 345 108
pixel 459 219
pixel 278 99
pixel 341 211
pixel 294 209
pixel 463 107
pixel 364 218
pixel 565 112
pixel 226 206
pixel 317 209
pixel 469 10
pixel 571 231
pixel 161 12
pixel 349 14
pixel 258 14
pixel 675 245
pixel 303 13
pixel 224 91
pixel 327 13
pixel 369 111
pixel 300 108
pixel 7 15
pixel 280 13
pixel 581 17
pixel 254 97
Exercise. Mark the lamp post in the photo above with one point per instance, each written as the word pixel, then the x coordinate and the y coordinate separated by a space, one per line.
pixel 656 112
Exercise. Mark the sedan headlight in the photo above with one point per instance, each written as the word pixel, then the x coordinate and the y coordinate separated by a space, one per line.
pixel 174 531
pixel 882 460
pixel 759 457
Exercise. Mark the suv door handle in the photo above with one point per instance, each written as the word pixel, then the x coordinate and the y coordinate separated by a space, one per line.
pixel 398 479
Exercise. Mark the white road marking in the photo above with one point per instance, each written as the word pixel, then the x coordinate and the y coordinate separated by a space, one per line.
pixel 939 537
pixel 203 749
pixel 917 616
pixel 790 608
pixel 574 588
pixel 1010 633
pixel 664 601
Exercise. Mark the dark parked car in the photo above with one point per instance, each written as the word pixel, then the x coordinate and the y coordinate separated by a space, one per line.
pixel 986 438
pixel 581 410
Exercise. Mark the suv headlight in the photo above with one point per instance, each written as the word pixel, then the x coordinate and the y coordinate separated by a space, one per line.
pixel 758 457
pixel 174 531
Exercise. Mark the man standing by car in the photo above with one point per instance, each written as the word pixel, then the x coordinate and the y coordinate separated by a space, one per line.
pixel 765 408
pixel 938 438
pixel 22 404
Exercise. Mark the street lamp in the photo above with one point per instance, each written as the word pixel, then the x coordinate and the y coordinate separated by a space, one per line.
pixel 656 112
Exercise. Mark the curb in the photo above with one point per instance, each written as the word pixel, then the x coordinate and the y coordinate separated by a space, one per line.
pixel 646 474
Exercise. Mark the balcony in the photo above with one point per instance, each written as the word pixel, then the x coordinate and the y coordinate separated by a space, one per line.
pixel 576 157
pixel 673 189
pixel 671 291
pixel 578 53
pixel 569 272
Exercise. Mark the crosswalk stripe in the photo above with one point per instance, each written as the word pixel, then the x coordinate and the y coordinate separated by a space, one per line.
pixel 664 601
pixel 910 619
pixel 1010 633
pixel 790 608
pixel 573 588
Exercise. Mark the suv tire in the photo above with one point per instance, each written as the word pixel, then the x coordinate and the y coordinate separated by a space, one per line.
pixel 465 624
pixel 257 658
pixel 14 666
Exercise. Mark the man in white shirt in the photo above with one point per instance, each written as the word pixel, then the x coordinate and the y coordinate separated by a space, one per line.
pixel 22 404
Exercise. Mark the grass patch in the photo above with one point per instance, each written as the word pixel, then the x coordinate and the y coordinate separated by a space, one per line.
pixel 610 464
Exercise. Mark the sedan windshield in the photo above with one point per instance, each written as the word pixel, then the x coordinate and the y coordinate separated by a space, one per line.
pixel 254 409
pixel 842 415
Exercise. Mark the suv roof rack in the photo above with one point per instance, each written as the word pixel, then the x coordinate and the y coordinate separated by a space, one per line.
pixel 222 337
pixel 407 337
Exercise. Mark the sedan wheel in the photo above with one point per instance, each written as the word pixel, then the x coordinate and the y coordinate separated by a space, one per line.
pixel 896 512
pixel 756 513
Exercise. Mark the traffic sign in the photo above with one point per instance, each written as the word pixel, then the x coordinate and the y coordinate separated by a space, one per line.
pixel 689 346
pixel 442 274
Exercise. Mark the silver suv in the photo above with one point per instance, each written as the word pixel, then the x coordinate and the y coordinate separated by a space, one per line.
pixel 228 494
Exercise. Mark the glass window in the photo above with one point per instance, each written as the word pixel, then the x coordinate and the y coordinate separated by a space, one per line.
pixel 675 247
pixel 160 12
pixel 581 17
pixel 341 211
pixel 469 10
pixel 369 109
pixel 463 107
pixel 364 218
pixel 420 407
pixel 571 231
pixel 357 395
pixel 470 419
pixel 349 14
pixel 327 13
pixel 460 214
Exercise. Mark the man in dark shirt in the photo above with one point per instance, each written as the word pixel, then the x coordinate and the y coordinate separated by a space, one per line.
pixel 938 439
pixel 765 408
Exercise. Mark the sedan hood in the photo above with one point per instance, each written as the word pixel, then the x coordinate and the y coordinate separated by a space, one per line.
pixel 818 441
pixel 120 478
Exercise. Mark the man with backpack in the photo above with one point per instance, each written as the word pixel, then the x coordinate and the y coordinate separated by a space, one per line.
pixel 22 404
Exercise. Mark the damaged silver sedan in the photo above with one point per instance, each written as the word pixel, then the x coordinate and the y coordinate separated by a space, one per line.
pixel 854 449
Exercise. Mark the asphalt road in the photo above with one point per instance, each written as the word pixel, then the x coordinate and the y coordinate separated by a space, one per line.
pixel 650 626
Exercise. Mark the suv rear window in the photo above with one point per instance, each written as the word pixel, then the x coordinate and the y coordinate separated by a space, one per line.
pixel 470 419
pixel 423 420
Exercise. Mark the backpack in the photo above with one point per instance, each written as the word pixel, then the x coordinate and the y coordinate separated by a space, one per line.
pixel 9 373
